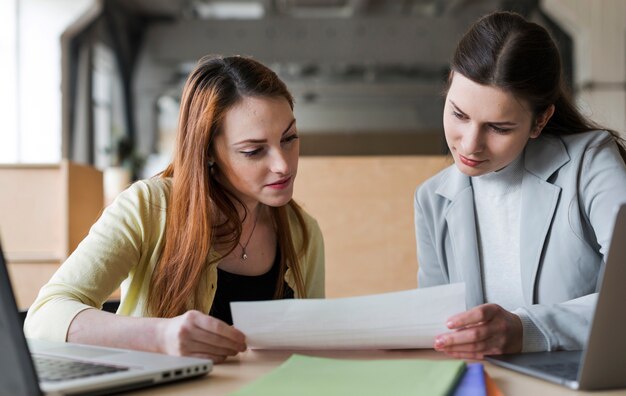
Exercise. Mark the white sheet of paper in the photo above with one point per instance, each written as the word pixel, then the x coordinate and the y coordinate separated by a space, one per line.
pixel 397 320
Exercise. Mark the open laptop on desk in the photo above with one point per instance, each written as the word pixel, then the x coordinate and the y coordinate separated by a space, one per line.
pixel 602 365
pixel 65 368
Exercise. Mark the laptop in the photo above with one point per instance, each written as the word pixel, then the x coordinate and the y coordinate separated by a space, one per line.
pixel 602 364
pixel 48 367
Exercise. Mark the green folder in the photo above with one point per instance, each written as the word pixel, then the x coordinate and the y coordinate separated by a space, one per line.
pixel 305 375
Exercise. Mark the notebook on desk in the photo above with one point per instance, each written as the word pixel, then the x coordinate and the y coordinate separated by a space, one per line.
pixel 65 368
pixel 601 364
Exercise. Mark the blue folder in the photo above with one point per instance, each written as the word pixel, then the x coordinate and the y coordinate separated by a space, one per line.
pixel 473 382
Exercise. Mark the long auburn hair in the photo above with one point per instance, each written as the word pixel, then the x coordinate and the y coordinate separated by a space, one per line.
pixel 198 199
pixel 506 51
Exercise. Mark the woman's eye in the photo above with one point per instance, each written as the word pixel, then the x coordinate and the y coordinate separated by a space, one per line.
pixel 458 115
pixel 499 130
pixel 251 153
pixel 290 138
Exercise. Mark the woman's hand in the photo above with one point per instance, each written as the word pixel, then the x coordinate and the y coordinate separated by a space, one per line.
pixel 487 329
pixel 196 334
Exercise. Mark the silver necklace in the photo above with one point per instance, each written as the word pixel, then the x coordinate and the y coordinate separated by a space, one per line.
pixel 244 255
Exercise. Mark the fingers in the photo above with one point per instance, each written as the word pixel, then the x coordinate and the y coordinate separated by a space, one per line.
pixel 212 346
pixel 197 334
pixel 484 330
pixel 483 339
pixel 491 346
pixel 215 335
pixel 474 316
pixel 214 331
pixel 468 335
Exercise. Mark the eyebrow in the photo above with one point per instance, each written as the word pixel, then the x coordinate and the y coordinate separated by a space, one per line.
pixel 260 141
pixel 507 123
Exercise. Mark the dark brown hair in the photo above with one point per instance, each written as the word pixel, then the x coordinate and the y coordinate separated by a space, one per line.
pixel 506 51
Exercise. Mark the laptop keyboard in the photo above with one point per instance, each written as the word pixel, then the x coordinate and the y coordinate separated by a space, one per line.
pixel 564 370
pixel 51 369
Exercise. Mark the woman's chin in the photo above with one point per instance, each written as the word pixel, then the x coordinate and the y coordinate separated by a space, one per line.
pixel 277 201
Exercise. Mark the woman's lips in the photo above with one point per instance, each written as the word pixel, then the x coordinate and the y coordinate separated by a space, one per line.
pixel 280 184
pixel 470 162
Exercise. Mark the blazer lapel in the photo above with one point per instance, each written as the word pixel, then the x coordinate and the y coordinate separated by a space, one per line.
pixel 542 157
pixel 461 223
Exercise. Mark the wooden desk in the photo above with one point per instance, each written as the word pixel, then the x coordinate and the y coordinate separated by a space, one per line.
pixel 247 367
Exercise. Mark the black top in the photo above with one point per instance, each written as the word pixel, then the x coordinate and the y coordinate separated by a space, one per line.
pixel 233 287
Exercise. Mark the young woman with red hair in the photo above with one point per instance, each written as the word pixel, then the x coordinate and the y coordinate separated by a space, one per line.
pixel 218 225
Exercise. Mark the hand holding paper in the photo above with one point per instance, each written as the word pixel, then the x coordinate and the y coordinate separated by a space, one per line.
pixel 398 320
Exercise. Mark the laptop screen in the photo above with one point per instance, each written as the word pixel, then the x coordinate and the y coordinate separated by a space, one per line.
pixel 17 374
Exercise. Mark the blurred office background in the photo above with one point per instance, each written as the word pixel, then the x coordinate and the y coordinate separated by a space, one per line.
pixel 98 82
pixel 89 91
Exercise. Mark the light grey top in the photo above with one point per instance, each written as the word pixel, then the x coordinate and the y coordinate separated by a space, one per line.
pixel 497 202
pixel 571 188
pixel 497 198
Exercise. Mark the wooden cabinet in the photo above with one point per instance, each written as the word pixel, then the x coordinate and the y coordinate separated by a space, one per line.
pixel 45 211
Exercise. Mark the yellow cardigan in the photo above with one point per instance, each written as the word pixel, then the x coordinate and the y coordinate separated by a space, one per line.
pixel 123 248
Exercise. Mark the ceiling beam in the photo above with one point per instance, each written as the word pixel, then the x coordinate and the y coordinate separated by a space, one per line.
pixel 395 40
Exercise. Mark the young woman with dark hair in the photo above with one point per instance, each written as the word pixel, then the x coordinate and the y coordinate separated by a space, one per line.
pixel 525 215
pixel 218 225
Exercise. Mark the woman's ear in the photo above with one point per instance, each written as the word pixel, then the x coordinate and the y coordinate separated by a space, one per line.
pixel 541 121
pixel 210 153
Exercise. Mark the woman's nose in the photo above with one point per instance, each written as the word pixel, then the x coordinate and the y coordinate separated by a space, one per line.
pixel 279 164
pixel 472 141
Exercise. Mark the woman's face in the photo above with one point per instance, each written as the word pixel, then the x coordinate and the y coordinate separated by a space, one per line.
pixel 486 128
pixel 256 152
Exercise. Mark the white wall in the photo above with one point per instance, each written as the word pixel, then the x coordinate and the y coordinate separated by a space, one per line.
pixel 30 107
pixel 9 143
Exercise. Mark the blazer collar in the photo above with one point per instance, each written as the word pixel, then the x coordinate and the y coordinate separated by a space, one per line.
pixel 545 155
pixel 453 183
pixel 459 215
pixel 542 157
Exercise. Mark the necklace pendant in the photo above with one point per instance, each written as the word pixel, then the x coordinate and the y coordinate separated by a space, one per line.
pixel 244 256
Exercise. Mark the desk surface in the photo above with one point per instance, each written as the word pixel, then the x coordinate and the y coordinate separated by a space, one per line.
pixel 250 365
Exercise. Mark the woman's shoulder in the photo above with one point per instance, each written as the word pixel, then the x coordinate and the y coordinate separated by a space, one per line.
pixel 155 190
pixel 154 185
pixel 587 145
pixel 587 139
pixel 569 153
pixel 309 221
pixel 549 148
pixel 144 198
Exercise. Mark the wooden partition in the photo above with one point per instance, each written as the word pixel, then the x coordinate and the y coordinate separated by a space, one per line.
pixel 45 211
pixel 364 206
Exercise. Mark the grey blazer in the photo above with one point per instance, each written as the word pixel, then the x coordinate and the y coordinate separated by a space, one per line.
pixel 571 189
